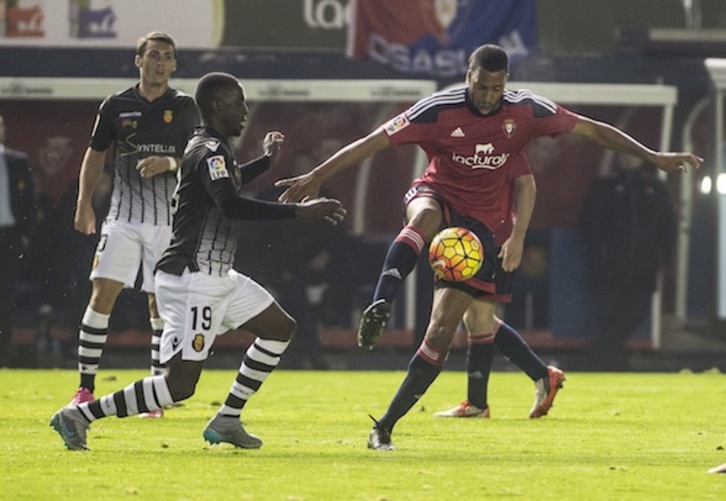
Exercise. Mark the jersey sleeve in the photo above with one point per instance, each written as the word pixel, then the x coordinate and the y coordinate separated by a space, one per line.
pixel 103 132
pixel 216 170
pixel 402 129
pixel 557 122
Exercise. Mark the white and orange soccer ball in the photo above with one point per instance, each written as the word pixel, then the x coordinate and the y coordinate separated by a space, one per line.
pixel 456 254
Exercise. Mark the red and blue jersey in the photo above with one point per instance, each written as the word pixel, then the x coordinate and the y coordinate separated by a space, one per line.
pixel 473 157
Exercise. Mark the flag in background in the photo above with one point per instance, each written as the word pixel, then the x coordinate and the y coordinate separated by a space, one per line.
pixel 433 38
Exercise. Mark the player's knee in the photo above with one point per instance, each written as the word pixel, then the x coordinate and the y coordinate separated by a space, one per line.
pixel 439 336
pixel 430 228
pixel 182 380
pixel 181 388
pixel 289 328
pixel 104 294
pixel 427 220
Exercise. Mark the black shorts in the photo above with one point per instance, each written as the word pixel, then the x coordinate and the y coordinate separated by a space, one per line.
pixel 491 282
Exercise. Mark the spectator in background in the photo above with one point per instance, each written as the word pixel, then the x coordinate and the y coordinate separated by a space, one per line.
pixel 17 216
pixel 56 269
pixel 629 226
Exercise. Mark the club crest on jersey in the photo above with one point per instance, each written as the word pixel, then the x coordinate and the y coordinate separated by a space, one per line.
pixel 396 124
pixel 509 127
pixel 198 342
pixel 168 116
pixel 217 167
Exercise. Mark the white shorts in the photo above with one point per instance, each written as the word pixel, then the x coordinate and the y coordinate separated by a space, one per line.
pixel 123 247
pixel 197 308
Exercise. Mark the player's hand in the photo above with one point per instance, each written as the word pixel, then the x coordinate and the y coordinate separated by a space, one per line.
pixel 677 162
pixel 152 166
pixel 511 254
pixel 84 220
pixel 321 209
pixel 299 188
pixel 273 143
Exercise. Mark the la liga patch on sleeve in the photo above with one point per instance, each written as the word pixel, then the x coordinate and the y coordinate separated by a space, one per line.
pixel 396 123
pixel 217 167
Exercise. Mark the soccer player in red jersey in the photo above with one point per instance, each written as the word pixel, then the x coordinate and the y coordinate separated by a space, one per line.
pixel 469 133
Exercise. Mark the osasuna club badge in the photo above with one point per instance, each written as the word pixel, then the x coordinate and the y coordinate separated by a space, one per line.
pixel 509 127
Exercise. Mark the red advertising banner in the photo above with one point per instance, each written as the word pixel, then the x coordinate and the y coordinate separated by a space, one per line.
pixel 433 38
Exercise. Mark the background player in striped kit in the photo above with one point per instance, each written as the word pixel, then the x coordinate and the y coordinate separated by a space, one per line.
pixel 469 133
pixel 148 125
pixel 200 295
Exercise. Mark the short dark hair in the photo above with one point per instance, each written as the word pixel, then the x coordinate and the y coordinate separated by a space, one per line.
pixel 489 57
pixel 158 36
pixel 209 88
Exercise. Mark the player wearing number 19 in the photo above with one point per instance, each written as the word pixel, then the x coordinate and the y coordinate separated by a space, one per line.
pixel 200 295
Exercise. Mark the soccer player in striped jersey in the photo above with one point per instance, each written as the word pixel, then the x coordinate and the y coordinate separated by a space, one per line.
pixel 199 294
pixel 469 134
pixel 148 125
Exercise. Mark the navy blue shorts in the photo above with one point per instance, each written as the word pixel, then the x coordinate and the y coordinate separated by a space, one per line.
pixel 491 282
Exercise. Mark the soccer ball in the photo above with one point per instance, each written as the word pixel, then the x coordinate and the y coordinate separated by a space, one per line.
pixel 456 254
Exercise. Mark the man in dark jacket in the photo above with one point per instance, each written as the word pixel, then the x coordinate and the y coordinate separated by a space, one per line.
pixel 629 225
pixel 17 213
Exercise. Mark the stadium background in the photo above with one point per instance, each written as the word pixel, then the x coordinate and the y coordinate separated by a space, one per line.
pixel 563 41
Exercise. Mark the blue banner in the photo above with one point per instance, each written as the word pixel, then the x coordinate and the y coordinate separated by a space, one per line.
pixel 433 38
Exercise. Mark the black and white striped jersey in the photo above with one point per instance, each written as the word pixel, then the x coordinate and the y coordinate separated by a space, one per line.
pixel 208 207
pixel 138 128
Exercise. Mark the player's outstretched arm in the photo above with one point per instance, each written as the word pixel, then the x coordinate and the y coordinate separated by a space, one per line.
pixel 613 138
pixel 322 209
pixel 308 185
pixel 271 146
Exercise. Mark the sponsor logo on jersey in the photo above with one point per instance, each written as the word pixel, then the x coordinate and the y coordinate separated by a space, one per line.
pixel 155 148
pixel 396 124
pixel 198 342
pixel 484 157
pixel 509 127
pixel 217 167
pixel 129 123
pixel 457 132
pixel 168 116
pixel 146 149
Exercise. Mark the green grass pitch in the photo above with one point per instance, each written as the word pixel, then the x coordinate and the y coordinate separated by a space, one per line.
pixel 609 436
